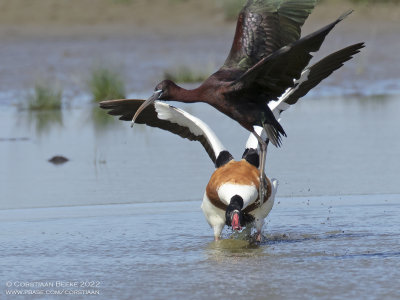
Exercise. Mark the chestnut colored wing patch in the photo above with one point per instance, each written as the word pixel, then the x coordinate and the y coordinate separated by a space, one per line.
pixel 235 172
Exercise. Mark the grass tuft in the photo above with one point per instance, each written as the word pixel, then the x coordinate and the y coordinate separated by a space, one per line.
pixel 184 74
pixel 44 97
pixel 106 84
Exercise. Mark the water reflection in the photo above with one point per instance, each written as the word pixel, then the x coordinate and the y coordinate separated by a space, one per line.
pixel 238 245
pixel 373 100
pixel 279 238
pixel 101 120
pixel 109 148
pixel 288 245
pixel 44 121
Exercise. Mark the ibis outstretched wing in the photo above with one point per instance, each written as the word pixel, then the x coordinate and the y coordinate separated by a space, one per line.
pixel 274 74
pixel 265 26
pixel 312 76
pixel 309 78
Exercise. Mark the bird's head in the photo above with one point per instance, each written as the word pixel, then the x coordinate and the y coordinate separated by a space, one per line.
pixel 162 91
pixel 234 214
pixel 165 88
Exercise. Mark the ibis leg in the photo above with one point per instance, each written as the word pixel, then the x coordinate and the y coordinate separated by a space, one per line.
pixel 263 148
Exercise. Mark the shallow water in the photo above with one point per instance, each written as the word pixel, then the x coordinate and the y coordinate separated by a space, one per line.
pixel 315 247
pixel 334 147
pixel 158 245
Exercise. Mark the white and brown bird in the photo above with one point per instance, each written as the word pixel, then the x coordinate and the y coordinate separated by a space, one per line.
pixel 231 197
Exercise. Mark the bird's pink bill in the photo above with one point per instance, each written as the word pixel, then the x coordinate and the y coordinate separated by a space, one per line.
pixel 236 222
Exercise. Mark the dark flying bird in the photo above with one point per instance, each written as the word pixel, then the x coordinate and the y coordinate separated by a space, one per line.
pixel 266 59
pixel 231 197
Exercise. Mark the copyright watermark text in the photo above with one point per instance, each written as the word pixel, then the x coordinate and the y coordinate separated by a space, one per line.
pixel 56 287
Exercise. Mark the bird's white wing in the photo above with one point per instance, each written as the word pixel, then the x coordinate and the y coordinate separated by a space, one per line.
pixel 312 76
pixel 309 78
pixel 252 142
pixel 170 118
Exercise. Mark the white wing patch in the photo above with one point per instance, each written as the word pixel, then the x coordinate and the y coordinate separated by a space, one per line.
pixel 252 142
pixel 277 106
pixel 280 105
pixel 195 125
pixel 249 193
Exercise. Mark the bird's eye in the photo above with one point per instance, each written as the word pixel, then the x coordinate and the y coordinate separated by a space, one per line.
pixel 159 92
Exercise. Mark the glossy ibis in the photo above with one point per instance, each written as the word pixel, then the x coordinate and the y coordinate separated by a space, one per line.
pixel 266 58
pixel 225 203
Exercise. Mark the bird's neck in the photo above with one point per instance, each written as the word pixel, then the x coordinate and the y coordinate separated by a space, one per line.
pixel 188 96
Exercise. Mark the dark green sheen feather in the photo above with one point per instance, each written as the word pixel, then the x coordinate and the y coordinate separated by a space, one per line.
pixel 265 26
pixel 275 73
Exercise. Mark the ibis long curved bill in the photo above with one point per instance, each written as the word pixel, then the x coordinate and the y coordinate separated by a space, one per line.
pixel 148 102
